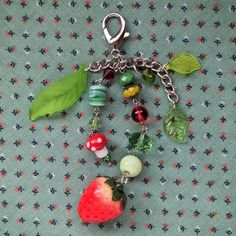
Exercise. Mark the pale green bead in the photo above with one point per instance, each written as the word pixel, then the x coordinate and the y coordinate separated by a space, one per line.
pixel 131 164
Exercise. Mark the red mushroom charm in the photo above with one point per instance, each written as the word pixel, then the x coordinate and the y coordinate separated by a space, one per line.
pixel 97 143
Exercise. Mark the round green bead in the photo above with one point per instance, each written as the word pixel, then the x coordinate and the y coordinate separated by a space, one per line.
pixel 148 75
pixel 131 165
pixel 126 79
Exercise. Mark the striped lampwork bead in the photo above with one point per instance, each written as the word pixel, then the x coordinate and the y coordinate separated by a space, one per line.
pixel 97 95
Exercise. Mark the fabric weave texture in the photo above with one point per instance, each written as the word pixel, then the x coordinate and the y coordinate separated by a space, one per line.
pixel 184 189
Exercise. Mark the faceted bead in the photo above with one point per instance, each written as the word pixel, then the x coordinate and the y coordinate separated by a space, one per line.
pixel 97 95
pixel 140 141
pixel 94 123
pixel 148 75
pixel 139 114
pixel 131 165
pixel 108 74
pixel 126 79
pixel 131 90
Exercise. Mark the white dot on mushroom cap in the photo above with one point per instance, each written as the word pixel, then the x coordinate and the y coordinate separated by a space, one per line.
pixel 88 144
pixel 93 149
pixel 99 140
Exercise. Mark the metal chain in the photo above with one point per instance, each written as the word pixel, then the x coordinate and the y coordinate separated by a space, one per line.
pixel 144 129
pixel 97 111
pixel 119 64
pixel 168 84
pixel 124 178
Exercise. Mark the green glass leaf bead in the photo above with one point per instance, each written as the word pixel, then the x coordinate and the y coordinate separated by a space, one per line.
pixel 94 123
pixel 131 165
pixel 148 75
pixel 184 63
pixel 140 141
pixel 126 79
pixel 176 124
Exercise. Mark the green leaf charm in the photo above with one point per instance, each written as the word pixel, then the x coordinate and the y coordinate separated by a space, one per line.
pixel 176 124
pixel 60 94
pixel 184 63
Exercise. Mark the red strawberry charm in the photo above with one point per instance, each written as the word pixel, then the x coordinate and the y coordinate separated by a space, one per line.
pixel 103 200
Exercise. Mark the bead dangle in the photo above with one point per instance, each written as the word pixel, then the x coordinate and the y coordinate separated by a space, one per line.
pixel 139 141
pixel 130 165
pixel 97 141
pixel 104 199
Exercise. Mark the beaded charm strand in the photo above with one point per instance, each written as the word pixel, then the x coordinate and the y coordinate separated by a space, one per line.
pixel 104 199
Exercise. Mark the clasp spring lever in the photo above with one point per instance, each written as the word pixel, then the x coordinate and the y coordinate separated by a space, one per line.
pixel 116 40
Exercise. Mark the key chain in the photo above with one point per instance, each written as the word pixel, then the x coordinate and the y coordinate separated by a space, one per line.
pixel 104 199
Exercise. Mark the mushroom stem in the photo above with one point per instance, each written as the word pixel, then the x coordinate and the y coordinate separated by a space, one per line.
pixel 102 152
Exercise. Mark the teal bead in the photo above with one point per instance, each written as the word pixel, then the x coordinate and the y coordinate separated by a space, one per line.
pixel 97 95
pixel 131 165
pixel 97 102
pixel 148 75
pixel 98 87
pixel 126 79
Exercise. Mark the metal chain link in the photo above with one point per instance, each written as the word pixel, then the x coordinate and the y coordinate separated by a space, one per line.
pixel 124 178
pixel 119 64
pixel 168 84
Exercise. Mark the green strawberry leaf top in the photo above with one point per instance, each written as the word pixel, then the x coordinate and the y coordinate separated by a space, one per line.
pixel 176 124
pixel 124 200
pixel 117 191
pixel 60 94
pixel 184 63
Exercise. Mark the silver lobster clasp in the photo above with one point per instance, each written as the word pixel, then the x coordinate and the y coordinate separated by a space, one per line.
pixel 116 40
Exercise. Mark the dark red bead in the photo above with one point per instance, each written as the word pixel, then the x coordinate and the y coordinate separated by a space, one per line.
pixel 108 74
pixel 139 114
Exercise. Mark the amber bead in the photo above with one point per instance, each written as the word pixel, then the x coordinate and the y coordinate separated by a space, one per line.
pixel 131 90
pixel 139 114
